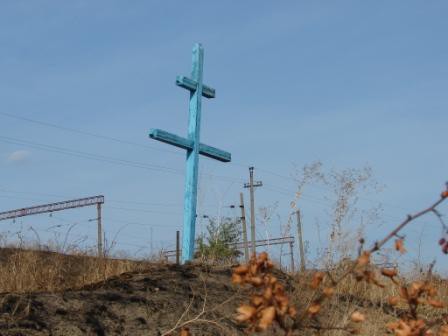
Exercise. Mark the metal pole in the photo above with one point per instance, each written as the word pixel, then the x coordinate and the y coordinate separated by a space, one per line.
pixel 100 231
pixel 252 210
pixel 243 222
pixel 177 247
pixel 300 238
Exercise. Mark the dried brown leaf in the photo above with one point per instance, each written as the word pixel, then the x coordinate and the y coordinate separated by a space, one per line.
pixel 267 316
pixel 318 277
pixel 314 308
pixel 237 279
pixel 245 312
pixel 328 291
pixel 357 317
pixel 185 332
pixel 241 270
pixel 399 246
pixel 436 303
pixel 393 300
pixel 257 300
pixel 364 258
pixel 389 272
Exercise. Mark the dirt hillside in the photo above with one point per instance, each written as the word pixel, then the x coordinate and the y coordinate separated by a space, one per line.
pixel 149 302
pixel 154 299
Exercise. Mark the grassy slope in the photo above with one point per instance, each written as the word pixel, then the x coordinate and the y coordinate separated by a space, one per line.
pixel 54 294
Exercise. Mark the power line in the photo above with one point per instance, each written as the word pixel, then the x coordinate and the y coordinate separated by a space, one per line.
pixel 277 189
pixel 102 158
pixel 106 206
pixel 85 155
pixel 327 188
pixel 78 131
pixel 290 178
pixel 143 210
pixel 133 223
pixel 65 196
pixel 323 202
pixel 137 164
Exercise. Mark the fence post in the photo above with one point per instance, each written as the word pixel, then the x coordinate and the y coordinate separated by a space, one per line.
pixel 177 247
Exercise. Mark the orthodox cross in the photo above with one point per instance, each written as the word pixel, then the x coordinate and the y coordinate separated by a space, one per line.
pixel 192 145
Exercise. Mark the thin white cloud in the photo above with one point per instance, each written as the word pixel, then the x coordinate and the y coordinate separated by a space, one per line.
pixel 18 156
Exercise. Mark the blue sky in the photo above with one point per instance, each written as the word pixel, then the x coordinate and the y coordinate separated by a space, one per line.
pixel 348 83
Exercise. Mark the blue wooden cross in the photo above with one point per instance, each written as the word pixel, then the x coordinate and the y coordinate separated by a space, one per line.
pixel 192 145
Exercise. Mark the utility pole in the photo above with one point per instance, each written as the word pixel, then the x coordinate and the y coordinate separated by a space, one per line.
pixel 291 252
pixel 251 185
pixel 243 222
pixel 100 231
pixel 300 239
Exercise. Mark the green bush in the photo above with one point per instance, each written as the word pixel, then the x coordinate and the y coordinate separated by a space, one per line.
pixel 217 244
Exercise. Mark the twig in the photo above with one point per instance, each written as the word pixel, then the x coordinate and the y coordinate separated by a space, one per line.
pixel 198 318
pixel 408 219
pixel 376 247
pixel 177 325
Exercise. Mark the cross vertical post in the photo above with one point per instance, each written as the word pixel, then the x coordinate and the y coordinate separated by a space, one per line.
pixel 191 178
pixel 192 146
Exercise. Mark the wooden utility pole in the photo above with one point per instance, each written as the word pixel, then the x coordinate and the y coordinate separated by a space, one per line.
pixel 251 185
pixel 177 247
pixel 300 239
pixel 100 231
pixel 243 222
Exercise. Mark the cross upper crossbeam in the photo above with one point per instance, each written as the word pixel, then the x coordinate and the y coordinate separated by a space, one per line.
pixel 175 140
pixel 190 84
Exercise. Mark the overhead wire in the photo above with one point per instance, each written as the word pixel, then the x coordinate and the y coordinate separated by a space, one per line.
pixel 142 210
pixel 138 164
pixel 78 131
pixel 107 159
pixel 113 200
pixel 118 140
pixel 90 156
pixel 136 223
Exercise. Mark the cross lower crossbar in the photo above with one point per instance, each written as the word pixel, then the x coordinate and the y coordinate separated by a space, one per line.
pixel 190 84
pixel 175 140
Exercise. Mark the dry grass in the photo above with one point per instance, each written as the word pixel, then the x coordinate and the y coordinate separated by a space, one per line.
pixel 32 270
pixel 352 295
pixel 337 313
pixel 339 300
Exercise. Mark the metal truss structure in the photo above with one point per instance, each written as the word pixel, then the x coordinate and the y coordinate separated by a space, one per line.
pixel 52 207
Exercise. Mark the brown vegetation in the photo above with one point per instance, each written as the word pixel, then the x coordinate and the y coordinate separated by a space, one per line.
pixel 33 270
pixel 46 293
pixel 201 300
pixel 270 307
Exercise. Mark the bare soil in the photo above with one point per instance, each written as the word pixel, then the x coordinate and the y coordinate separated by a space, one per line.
pixel 149 302
pixel 53 294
